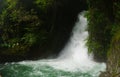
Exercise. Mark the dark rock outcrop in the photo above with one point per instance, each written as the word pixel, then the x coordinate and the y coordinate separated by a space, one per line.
pixel 113 62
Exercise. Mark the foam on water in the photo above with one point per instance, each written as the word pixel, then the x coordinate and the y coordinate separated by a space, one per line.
pixel 73 58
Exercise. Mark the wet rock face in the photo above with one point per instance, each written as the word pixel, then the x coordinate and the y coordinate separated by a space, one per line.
pixel 113 63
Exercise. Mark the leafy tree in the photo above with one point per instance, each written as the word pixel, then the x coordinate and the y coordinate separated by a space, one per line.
pixel 20 29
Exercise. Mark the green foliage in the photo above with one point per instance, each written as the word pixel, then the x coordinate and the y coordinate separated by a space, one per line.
pixel 115 28
pixel 104 33
pixel 43 4
pixel 20 28
pixel 99 28
pixel 103 25
pixel 117 11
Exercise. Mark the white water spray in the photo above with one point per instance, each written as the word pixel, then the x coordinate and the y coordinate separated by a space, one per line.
pixel 76 49
pixel 75 54
pixel 74 57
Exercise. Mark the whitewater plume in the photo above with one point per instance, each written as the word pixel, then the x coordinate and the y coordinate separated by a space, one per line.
pixel 76 48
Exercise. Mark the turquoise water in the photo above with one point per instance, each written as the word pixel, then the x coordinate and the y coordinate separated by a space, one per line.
pixel 40 69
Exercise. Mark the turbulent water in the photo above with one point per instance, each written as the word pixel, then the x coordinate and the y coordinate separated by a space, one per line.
pixel 73 61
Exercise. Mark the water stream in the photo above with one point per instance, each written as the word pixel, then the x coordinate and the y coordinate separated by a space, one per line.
pixel 73 60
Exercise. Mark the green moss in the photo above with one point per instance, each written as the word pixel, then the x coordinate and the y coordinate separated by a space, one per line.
pixel 117 36
pixel 103 17
pixel 99 28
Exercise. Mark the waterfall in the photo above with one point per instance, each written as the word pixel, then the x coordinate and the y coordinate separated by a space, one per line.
pixel 76 48
pixel 75 55
pixel 73 61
